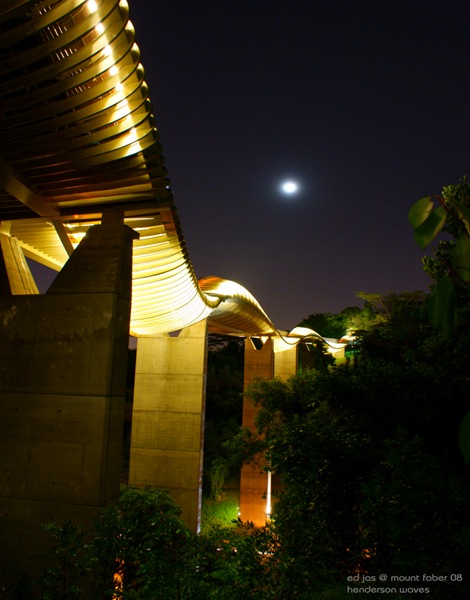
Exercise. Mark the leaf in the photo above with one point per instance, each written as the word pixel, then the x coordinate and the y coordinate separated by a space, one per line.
pixel 427 231
pixel 464 437
pixel 464 214
pixel 441 306
pixel 461 258
pixel 420 211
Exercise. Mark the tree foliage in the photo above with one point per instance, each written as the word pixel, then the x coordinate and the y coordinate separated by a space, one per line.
pixel 326 324
pixel 450 265
pixel 351 319
pixel 372 479
pixel 223 416
pixel 142 529
pixel 141 550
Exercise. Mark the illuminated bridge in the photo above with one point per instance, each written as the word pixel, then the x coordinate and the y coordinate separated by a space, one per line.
pixel 84 190
pixel 78 141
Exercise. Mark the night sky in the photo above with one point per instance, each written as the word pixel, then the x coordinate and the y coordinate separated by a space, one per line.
pixel 364 103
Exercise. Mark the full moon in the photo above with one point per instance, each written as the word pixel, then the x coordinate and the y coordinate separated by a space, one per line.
pixel 289 187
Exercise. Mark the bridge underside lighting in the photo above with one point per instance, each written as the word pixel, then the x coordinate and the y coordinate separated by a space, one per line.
pixel 79 141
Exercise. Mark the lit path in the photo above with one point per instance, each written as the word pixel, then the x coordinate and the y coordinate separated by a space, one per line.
pixel 79 144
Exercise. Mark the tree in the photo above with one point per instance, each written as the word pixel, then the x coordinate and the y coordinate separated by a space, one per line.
pixel 449 213
pixel 357 320
pixel 143 529
pixel 62 580
pixel 392 306
pixel 141 550
pixel 348 321
pixel 394 323
pixel 326 324
pixel 366 458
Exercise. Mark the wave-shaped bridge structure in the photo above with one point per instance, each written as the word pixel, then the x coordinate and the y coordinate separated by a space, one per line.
pixel 79 141
pixel 84 190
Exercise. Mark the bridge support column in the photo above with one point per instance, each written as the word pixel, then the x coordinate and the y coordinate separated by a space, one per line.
pixel 253 479
pixel 255 482
pixel 63 358
pixel 285 361
pixel 168 417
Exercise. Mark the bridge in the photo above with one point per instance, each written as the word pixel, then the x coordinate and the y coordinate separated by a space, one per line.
pixel 84 190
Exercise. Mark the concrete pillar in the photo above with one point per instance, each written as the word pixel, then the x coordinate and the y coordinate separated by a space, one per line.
pixel 259 363
pixel 285 362
pixel 63 358
pixel 255 483
pixel 168 417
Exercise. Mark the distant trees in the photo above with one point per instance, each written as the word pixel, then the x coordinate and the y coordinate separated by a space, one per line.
pixel 326 324
pixel 377 310
pixel 224 401
pixel 349 320
pixel 394 323
pixel 381 326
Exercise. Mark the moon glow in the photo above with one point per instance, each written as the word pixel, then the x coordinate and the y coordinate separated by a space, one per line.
pixel 289 187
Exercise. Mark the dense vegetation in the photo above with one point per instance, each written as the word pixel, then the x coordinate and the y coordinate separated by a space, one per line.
pixel 368 456
pixel 373 478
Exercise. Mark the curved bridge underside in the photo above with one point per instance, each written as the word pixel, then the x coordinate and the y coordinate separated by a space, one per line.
pixel 79 145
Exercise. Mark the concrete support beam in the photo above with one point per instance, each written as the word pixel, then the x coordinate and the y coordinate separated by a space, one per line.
pixel 168 417
pixel 15 274
pixel 63 359
pixel 255 482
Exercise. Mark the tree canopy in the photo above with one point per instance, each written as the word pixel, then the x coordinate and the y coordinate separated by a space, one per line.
pixel 368 457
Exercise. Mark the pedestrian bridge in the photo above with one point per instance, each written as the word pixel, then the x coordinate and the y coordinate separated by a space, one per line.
pixel 84 190
pixel 79 144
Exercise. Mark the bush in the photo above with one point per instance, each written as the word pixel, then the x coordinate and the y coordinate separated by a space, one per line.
pixel 139 535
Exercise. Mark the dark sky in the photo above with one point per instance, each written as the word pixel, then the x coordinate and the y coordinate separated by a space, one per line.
pixel 364 103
